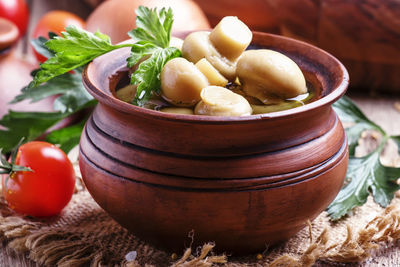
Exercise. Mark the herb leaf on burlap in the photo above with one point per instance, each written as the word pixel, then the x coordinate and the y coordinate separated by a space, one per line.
pixel 348 112
pixel 365 175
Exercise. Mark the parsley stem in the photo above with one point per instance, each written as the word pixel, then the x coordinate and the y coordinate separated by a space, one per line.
pixel 123 45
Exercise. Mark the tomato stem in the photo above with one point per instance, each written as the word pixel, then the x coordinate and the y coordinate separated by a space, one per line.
pixel 10 168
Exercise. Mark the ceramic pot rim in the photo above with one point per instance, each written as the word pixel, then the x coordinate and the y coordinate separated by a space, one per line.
pixel 326 100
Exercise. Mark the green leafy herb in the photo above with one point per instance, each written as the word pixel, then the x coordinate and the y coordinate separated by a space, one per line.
pixel 30 125
pixel 72 51
pixel 152 37
pixel 40 47
pixel 72 97
pixel 397 140
pixel 147 75
pixel 73 94
pixel 75 48
pixel 152 27
pixel 67 137
pixel 350 113
pixel 365 174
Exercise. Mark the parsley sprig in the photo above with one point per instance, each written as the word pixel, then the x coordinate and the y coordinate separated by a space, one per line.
pixel 366 175
pixel 70 97
pixel 77 47
pixel 73 51
pixel 152 37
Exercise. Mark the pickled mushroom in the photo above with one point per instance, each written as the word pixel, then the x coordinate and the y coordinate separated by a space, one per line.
pixel 197 45
pixel 219 101
pixel 213 76
pixel 127 93
pixel 218 77
pixel 231 37
pixel 267 74
pixel 182 82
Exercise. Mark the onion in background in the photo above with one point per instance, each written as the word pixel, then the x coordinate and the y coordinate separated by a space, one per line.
pixel 258 15
pixel 117 17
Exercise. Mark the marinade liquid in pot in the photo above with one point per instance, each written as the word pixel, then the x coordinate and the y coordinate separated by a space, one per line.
pixel 120 88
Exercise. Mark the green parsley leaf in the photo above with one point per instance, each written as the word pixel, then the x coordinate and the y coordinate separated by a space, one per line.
pixel 75 48
pixel 397 140
pixel 152 37
pixel 139 51
pixel 365 175
pixel 72 97
pixel 40 47
pixel 153 27
pixel 67 137
pixel 349 112
pixel 147 76
pixel 73 94
pixel 30 125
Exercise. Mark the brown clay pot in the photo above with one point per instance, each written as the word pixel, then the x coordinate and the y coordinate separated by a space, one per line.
pixel 243 182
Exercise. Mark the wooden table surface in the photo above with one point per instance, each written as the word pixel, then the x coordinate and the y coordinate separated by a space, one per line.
pixel 380 110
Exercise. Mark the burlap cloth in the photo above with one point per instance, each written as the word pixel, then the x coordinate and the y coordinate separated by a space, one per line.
pixel 84 235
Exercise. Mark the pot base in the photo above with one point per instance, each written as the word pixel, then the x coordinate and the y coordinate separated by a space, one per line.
pixel 238 221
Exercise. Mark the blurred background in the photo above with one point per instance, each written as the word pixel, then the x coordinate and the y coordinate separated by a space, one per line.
pixel 364 35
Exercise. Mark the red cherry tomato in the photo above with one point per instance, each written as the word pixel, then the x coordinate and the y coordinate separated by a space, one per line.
pixel 17 12
pixel 48 188
pixel 55 21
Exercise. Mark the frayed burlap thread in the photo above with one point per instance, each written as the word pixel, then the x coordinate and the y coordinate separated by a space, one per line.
pixel 203 260
pixel 383 229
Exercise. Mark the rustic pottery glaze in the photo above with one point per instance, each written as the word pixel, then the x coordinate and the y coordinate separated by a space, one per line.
pixel 243 182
